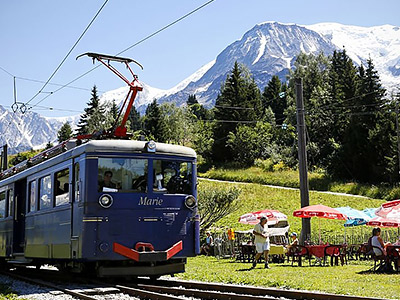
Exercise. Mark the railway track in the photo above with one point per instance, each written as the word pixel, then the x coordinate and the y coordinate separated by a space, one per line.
pixel 84 288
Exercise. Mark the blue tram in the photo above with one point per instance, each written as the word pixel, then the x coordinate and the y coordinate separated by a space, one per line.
pixel 116 207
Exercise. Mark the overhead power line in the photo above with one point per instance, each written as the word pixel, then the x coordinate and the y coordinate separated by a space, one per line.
pixel 69 52
pixel 130 47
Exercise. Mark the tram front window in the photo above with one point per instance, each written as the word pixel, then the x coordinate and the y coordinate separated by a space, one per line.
pixel 122 175
pixel 172 177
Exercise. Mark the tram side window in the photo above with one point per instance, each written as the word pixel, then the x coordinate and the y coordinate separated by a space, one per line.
pixel 122 174
pixel 172 177
pixel 10 202
pixel 2 204
pixel 45 192
pixel 32 196
pixel 61 190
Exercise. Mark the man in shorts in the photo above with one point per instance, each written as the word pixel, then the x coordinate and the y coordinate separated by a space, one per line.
pixel 261 241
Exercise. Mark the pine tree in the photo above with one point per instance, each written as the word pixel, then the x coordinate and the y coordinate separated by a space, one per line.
pixel 239 100
pixel 153 122
pixel 368 141
pixel 191 100
pixel 64 133
pixel 135 119
pixel 273 98
pixel 93 118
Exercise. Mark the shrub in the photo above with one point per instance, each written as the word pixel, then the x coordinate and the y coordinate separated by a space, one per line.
pixel 216 203
pixel 266 165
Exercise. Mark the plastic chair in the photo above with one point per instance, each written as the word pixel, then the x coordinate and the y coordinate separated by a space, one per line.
pixel 393 255
pixel 379 260
pixel 335 252
pixel 296 253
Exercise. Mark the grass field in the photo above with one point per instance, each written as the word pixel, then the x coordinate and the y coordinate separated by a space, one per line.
pixel 290 178
pixel 351 279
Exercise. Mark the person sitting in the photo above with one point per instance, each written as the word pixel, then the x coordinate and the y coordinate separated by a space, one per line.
pixel 107 181
pixel 379 247
pixel 295 240
pixel 207 248
pixel 140 183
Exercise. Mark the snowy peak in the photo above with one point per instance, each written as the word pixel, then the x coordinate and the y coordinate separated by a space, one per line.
pixel 380 43
pixel 267 49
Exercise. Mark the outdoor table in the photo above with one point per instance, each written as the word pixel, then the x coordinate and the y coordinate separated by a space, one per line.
pixel 277 252
pixel 318 251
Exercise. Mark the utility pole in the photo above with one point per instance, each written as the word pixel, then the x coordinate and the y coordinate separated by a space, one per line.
pixel 397 130
pixel 301 132
pixel 4 160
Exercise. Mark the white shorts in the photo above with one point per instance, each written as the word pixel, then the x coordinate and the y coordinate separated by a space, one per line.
pixel 261 247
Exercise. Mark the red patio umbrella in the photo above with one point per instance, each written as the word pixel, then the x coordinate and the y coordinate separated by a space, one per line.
pixel 390 210
pixel 383 222
pixel 253 218
pixel 320 211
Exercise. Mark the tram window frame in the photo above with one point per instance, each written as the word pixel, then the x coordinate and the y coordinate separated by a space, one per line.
pixel 61 197
pixel 128 174
pixel 49 190
pixel 3 204
pixel 10 201
pixel 170 180
pixel 32 207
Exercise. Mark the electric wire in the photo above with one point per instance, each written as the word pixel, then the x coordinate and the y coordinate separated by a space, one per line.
pixel 50 83
pixel 130 47
pixel 69 52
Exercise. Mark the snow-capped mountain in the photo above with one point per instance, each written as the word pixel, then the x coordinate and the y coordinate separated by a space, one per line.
pixel 267 49
pixel 150 93
pixel 271 48
pixel 380 43
pixel 30 130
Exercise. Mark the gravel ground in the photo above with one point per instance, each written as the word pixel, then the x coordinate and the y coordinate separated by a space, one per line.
pixel 29 291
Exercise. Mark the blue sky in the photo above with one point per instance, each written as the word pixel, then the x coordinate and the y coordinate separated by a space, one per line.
pixel 36 35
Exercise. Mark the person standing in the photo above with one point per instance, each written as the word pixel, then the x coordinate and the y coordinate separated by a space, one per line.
pixel 261 240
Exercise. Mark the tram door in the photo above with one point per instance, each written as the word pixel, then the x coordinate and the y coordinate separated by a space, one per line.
pixel 77 207
pixel 19 216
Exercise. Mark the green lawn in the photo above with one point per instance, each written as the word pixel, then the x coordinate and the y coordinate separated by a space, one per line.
pixel 290 178
pixel 351 279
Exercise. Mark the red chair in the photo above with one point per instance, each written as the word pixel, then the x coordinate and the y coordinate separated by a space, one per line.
pixel 296 253
pixel 335 252
pixel 393 256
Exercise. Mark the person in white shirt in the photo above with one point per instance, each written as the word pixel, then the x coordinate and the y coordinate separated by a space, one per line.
pixel 261 240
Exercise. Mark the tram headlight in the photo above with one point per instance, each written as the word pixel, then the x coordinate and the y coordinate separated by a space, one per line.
pixel 190 202
pixel 106 200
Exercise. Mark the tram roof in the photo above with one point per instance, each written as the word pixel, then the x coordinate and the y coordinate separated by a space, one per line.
pixel 101 146
pixel 130 146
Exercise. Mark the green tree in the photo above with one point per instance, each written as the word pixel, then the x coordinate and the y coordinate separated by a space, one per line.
pixel 93 118
pixel 368 148
pixel 154 125
pixel 64 133
pixel 238 101
pixel 135 120
pixel 275 97
pixel 248 143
